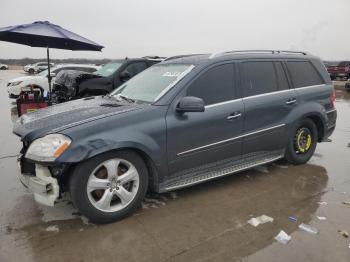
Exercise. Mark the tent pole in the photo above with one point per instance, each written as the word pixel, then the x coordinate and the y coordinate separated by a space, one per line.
pixel 48 71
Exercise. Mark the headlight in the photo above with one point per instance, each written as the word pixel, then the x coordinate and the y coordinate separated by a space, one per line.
pixel 16 83
pixel 48 148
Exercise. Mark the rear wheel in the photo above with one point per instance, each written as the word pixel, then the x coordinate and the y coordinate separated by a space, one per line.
pixel 109 187
pixel 31 71
pixel 302 144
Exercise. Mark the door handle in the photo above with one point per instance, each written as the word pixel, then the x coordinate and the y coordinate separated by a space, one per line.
pixel 291 101
pixel 234 115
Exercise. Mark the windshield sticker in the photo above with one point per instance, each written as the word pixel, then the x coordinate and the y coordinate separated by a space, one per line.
pixel 172 74
pixel 178 78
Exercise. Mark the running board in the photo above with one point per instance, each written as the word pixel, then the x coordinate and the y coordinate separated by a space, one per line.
pixel 219 173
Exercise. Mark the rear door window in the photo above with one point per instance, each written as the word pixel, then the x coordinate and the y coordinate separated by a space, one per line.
pixel 215 85
pixel 260 78
pixel 303 74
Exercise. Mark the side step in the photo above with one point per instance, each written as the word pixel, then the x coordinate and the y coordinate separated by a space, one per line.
pixel 208 175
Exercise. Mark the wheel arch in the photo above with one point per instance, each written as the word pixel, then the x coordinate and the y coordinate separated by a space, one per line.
pixel 153 171
pixel 319 125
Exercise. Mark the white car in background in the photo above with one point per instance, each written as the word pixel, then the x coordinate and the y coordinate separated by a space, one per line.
pixel 15 86
pixel 37 67
pixel 3 67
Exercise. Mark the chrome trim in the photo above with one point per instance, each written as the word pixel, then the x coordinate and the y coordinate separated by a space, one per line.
pixel 230 139
pixel 223 103
pixel 291 102
pixel 265 94
pixel 271 93
pixel 224 174
pixel 230 117
pixel 306 87
pixel 283 91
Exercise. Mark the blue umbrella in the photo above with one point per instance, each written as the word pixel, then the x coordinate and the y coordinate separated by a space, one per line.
pixel 45 34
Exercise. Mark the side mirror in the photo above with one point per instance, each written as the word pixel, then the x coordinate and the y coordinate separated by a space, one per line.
pixel 190 104
pixel 125 76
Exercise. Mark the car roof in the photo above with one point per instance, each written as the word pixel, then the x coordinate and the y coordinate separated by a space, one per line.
pixel 146 58
pixel 77 65
pixel 196 59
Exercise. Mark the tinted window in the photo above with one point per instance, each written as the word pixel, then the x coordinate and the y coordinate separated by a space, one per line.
pixel 215 85
pixel 281 77
pixel 303 74
pixel 135 68
pixel 88 69
pixel 260 78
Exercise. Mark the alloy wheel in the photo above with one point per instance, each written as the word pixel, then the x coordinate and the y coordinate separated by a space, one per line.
pixel 112 185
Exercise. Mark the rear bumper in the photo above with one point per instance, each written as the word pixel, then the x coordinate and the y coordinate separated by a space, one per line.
pixel 44 187
pixel 330 125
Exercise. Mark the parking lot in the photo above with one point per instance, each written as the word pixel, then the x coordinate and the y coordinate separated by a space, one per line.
pixel 207 222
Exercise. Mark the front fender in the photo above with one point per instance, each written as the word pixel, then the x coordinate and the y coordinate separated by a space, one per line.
pixel 143 131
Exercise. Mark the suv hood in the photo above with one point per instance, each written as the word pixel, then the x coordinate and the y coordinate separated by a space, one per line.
pixel 62 116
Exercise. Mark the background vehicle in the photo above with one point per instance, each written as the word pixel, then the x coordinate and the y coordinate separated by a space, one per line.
pixel 15 86
pixel 341 70
pixel 72 85
pixel 4 67
pixel 347 85
pixel 181 122
pixel 37 67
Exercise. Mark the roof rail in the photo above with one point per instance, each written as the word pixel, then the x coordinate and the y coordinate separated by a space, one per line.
pixel 179 56
pixel 213 55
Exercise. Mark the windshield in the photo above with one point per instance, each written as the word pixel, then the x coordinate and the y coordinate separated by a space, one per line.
pixel 108 69
pixel 153 83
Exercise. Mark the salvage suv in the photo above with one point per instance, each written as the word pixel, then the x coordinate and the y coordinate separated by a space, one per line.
pixel 179 123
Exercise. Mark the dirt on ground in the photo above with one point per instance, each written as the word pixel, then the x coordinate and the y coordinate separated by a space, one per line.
pixel 207 222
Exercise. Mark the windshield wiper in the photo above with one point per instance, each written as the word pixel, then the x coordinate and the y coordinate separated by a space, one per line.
pixel 128 99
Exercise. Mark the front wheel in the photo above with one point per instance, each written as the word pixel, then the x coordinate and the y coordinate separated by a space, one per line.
pixel 109 187
pixel 302 143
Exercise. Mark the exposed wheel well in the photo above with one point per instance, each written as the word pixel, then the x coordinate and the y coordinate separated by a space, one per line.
pixel 319 124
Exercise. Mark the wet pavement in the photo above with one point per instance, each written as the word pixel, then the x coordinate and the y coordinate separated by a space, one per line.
pixel 207 222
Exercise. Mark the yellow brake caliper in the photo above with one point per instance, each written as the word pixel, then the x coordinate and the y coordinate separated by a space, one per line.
pixel 300 148
pixel 308 142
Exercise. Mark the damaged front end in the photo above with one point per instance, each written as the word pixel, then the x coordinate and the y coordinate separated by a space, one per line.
pixel 45 180
pixel 66 86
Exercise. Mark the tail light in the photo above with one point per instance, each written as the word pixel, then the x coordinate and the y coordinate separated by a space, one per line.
pixel 332 98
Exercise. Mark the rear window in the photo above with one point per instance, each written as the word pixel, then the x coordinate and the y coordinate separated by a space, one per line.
pixel 303 74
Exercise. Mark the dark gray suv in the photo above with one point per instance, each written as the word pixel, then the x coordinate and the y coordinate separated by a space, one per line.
pixel 181 122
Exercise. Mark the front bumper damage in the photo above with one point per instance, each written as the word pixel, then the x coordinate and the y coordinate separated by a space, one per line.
pixel 45 187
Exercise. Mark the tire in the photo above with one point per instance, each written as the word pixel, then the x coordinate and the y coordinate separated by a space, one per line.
pixel 299 149
pixel 31 71
pixel 110 186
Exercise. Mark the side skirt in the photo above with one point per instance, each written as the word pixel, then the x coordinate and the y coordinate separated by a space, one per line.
pixel 201 175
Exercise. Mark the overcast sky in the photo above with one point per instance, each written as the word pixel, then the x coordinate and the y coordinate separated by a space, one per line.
pixel 163 27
